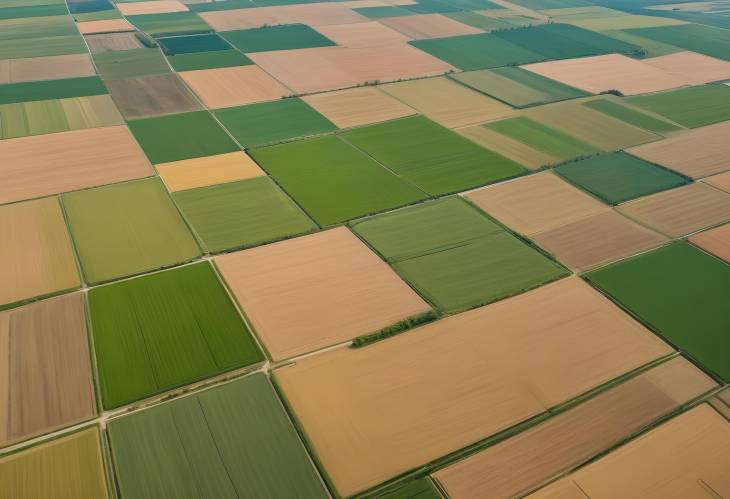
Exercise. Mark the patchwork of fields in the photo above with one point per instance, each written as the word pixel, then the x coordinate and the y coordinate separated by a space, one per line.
pixel 395 249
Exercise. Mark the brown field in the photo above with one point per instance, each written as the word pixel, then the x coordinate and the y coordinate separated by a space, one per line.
pixel 104 26
pixel 608 72
pixel 720 407
pixel 369 34
pixel 228 87
pixel 314 291
pixel 597 239
pixel 47 384
pixel 62 162
pixel 423 26
pixel 144 96
pixel 522 463
pixel 696 153
pixel 109 42
pixel 47 68
pixel 36 253
pixel 715 241
pixel 358 106
pixel 372 413
pixel 151 7
pixel 685 457
pixel 562 489
pixel 209 170
pixel 721 181
pixel 693 68
pixel 514 150
pixel 313 14
pixel 447 102
pixel 350 4
pixel 329 68
pixel 536 203
pixel 681 211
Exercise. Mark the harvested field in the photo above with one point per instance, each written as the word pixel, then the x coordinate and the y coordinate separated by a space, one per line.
pixel 124 229
pixel 721 181
pixel 47 384
pixel 536 203
pixel 104 26
pixel 232 441
pixel 61 162
pixel 145 96
pixel 367 34
pixel 315 291
pixel 611 107
pixel 281 37
pixel 128 63
pixel 681 211
pixel 693 68
pixel 315 14
pixel 506 146
pixel 47 68
pixel 568 337
pixel 423 26
pixel 165 330
pixel 695 153
pixel 690 107
pixel 209 170
pixel 357 106
pixel 151 7
pixel 66 468
pixel 234 86
pixel 515 466
pixel 447 102
pixel 715 241
pixel 111 42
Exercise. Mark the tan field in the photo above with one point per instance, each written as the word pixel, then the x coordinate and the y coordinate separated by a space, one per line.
pixel 597 239
pixel 562 489
pixel 46 68
pixel 351 4
pixel 506 146
pixel 228 87
pixel 315 291
pixel 715 241
pixel 696 153
pixel 109 42
pixel 372 413
pixel 329 68
pixel 358 106
pixel 36 254
pixel 209 170
pixel 721 181
pixel 144 96
pixel 313 14
pixel 368 34
pixel 681 211
pixel 423 26
pixel 104 26
pixel 151 7
pixel 686 457
pixel 520 464
pixel 62 162
pixel 536 203
pixel 47 383
pixel 447 102
pixel 693 68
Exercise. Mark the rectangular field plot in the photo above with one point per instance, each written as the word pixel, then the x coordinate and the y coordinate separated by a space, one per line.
pixel 165 330
pixel 208 60
pixel 269 14
pixel 115 65
pixel 633 116
pixel 708 40
pixel 436 159
pixel 173 23
pixel 234 86
pixel 515 466
pixel 69 467
pixel 111 42
pixel 281 37
pixel 53 89
pixel 140 97
pixel 365 34
pixel 314 291
pixel 124 229
pixel 433 25
pixel 191 44
pixel 715 241
pixel 721 181
pixel 232 441
pixel 690 107
pixel 568 338
pixel 507 146
pixel 682 293
pixel 151 7
pixel 46 68
pixel 333 181
pixel 209 170
pixel 694 68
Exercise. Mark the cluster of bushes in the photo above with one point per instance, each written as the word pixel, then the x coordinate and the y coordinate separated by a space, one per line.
pixel 399 327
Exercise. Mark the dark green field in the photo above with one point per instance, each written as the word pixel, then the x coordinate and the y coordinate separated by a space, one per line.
pixel 708 40
pixel 51 89
pixel 283 37
pixel 173 23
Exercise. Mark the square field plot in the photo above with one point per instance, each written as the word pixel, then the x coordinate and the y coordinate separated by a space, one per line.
pixel 239 214
pixel 208 170
pixel 164 330
pixel 125 229
pixel 681 292
pixel 434 158
pixel 333 181
pixel 36 254
pixel 281 37
pixel 48 382
pixel 690 107
pixel 311 292
pixel 232 441
pixel 234 86
pixel 145 96
pixel 715 241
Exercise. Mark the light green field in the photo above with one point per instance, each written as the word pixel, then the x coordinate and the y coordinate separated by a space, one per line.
pixel 169 24
pixel 632 116
pixel 115 65
pixel 691 107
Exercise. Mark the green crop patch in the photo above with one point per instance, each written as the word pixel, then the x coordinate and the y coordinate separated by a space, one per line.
pixel 33 11
pixel 619 177
pixel 631 116
pixel 282 37
pixel 455 255
pixel 208 60
pixel 422 488
pixel 681 292
pixel 172 23
pixel 128 228
pixel 181 136
pixel 333 181
pixel 479 21
pixel 51 89
pixel 708 40
pixel 118 64
pixel 42 46
pixel 435 7
pixel 691 107
pixel 383 12
pixel 192 43
pixel 231 441
pixel 37 28
pixel 240 214
pixel 164 330
pixel 434 158
pixel 275 121
pixel 221 5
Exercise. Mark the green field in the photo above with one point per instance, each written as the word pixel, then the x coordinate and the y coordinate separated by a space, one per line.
pixel 383 12
pixel 708 40
pixel 333 181
pixel 128 228
pixel 281 37
pixel 181 136
pixel 242 213
pixel 169 24
pixel 192 44
pixel 423 488
pixel 275 121
pixel 618 177
pixel 115 65
pixel 40 47
pixel 631 116
pixel 434 158
pixel 232 441
pixel 691 107
pixel 208 60
pixel 33 11
pixel 51 89
pixel 479 21
pixel 681 292
pixel 164 330
pixel 221 5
